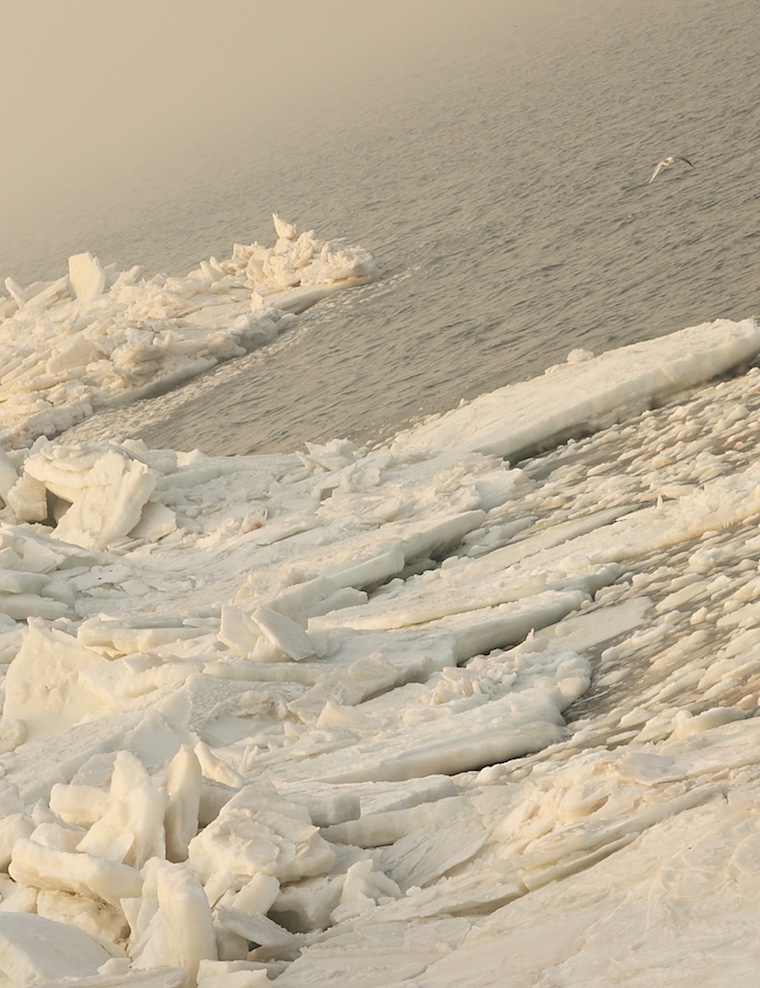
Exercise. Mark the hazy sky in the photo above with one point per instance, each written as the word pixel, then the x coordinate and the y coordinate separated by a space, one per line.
pixel 93 89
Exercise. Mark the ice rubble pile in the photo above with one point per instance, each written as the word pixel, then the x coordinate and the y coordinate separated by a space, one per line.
pixel 97 334
pixel 179 855
pixel 300 718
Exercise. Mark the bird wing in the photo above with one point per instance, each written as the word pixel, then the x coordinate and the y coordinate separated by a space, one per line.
pixel 657 169
pixel 686 160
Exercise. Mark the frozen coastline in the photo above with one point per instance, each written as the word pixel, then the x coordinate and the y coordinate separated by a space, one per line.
pixel 410 715
pixel 98 336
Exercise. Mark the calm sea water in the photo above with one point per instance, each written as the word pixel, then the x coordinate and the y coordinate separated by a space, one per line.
pixel 505 196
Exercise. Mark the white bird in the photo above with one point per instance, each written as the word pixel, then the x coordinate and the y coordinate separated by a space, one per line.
pixel 668 163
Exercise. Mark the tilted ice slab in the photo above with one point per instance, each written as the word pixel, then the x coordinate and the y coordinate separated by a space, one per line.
pixel 98 335
pixel 305 716
pixel 587 392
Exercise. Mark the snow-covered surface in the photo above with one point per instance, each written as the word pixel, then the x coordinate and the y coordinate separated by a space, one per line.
pixel 412 715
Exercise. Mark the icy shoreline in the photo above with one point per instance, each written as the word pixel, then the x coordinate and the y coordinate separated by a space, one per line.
pixel 303 718
pixel 98 336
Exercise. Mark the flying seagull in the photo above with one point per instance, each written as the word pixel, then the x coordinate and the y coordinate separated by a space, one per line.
pixel 668 163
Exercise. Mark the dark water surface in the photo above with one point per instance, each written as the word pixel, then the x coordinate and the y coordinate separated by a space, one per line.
pixel 505 197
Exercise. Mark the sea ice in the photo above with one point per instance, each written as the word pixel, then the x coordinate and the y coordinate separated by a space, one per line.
pixel 99 336
pixel 410 715
pixel 35 950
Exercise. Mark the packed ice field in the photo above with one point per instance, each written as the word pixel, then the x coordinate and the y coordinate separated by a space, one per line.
pixel 473 707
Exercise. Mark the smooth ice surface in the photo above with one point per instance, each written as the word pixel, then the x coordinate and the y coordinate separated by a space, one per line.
pixel 462 709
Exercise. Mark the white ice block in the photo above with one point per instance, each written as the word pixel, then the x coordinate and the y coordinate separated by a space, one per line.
pixel 111 504
pixel 42 689
pixel 34 949
pixel 257 832
pixel 283 633
pixel 183 793
pixel 132 829
pixel 180 932
pixel 78 804
pixel 87 276
pixel 8 474
pixel 82 874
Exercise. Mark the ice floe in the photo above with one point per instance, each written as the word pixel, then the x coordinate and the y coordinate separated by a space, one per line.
pixel 463 709
pixel 98 335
